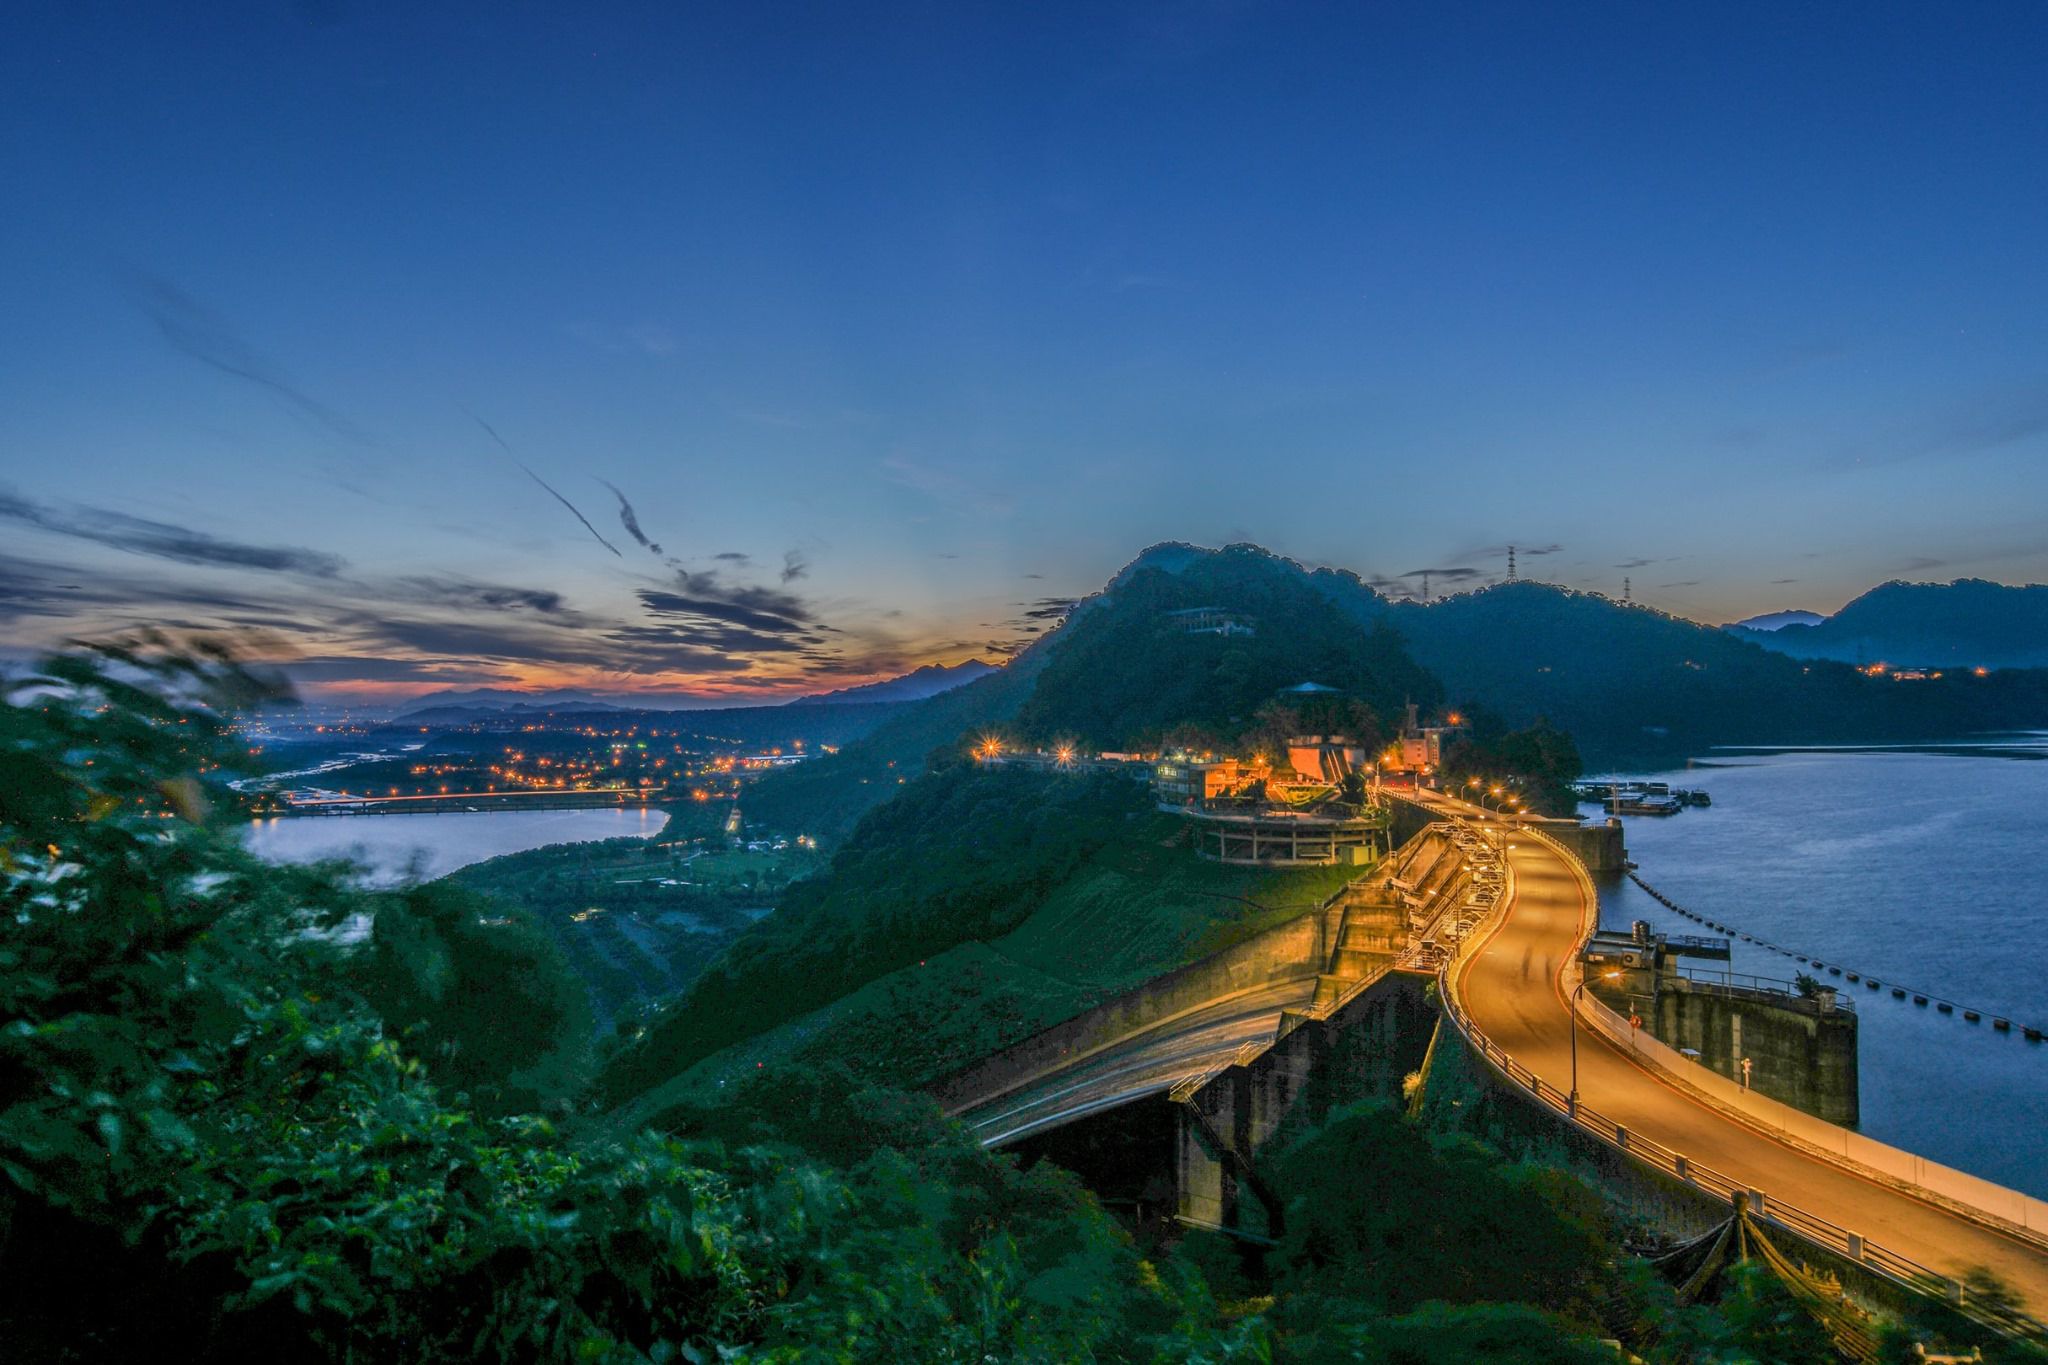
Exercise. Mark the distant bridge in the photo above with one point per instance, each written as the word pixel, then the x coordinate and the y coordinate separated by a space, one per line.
pixel 442 803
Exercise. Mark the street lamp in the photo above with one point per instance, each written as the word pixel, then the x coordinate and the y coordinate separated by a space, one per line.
pixel 1572 1101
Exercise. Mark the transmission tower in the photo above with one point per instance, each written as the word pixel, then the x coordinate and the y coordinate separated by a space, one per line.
pixel 1511 563
pixel 1624 590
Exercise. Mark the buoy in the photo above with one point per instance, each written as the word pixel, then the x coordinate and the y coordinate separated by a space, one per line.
pixel 1873 983
pixel 1972 1015
pixel 2033 1034
pixel 2002 1025
pixel 1919 999
pixel 1898 994
pixel 1834 971
pixel 1854 977
pixel 1944 1007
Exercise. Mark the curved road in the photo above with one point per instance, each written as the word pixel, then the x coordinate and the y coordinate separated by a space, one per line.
pixel 1510 986
pixel 1145 1063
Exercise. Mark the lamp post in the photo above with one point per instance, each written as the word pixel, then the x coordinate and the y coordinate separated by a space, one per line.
pixel 1572 1100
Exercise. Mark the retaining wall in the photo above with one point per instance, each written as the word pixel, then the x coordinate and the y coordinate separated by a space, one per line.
pixel 1294 951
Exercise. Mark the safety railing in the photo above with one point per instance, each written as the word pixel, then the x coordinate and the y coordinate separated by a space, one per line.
pixel 1188 1086
pixel 1878 1260
pixel 1763 986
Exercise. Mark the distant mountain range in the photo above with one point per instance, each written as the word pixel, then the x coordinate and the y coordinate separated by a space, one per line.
pixel 916 685
pixel 506 699
pixel 1777 620
pixel 1634 687
pixel 1964 624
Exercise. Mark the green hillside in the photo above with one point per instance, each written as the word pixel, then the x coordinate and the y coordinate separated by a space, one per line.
pixel 1632 685
pixel 1132 908
pixel 1964 624
pixel 1066 889
pixel 827 796
pixel 1130 673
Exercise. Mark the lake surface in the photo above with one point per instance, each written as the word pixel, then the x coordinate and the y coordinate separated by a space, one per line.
pixel 396 848
pixel 1923 869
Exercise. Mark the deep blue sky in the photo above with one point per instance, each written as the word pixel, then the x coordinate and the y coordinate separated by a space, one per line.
pixel 1753 300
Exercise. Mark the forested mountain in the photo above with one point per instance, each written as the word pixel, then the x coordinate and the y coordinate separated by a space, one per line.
pixel 826 796
pixel 1139 668
pixel 1123 673
pixel 1635 686
pixel 1632 686
pixel 915 685
pixel 1965 624
pixel 289 1118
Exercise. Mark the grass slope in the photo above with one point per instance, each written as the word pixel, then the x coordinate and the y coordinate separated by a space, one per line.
pixel 1133 908
pixel 827 796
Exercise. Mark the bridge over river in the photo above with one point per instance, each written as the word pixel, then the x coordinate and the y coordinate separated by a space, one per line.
pixel 447 803
pixel 1497 915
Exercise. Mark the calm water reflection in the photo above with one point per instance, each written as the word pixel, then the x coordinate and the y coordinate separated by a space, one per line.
pixel 396 847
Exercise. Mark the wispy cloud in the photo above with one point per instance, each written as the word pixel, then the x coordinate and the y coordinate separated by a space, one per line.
pixel 163 540
pixel 194 330
pixel 1501 551
pixel 493 433
pixel 639 338
pixel 1982 425
pixel 943 485
pixel 630 519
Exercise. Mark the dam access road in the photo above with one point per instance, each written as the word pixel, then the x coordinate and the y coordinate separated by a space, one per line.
pixel 1512 986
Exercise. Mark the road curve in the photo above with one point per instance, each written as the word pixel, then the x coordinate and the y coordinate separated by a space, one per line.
pixel 1510 987
pixel 1147 1062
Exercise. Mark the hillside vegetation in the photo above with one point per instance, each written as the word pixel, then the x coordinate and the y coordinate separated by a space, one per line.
pixel 1128 674
pixel 1634 686
pixel 1965 624
pixel 828 795
pixel 958 855
pixel 1134 906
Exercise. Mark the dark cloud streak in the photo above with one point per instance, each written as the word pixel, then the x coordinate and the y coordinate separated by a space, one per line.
pixel 493 433
pixel 194 330
pixel 630 519
pixel 162 540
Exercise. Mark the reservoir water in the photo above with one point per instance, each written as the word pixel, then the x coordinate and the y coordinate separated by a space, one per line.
pixel 1924 869
pixel 396 848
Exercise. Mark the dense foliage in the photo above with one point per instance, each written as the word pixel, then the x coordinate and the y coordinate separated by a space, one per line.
pixel 961 854
pixel 1634 686
pixel 212 1110
pixel 268 1112
pixel 1538 763
pixel 1962 624
pixel 1127 674
pixel 828 795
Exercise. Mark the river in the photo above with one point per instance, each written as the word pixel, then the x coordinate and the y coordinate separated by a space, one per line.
pixel 1923 869
pixel 396 848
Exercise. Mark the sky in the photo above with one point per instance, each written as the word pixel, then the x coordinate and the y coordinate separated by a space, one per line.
pixel 733 350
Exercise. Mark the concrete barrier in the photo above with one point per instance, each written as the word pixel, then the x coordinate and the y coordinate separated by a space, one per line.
pixel 1972 1193
pixel 1958 1189
pixel 1294 951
